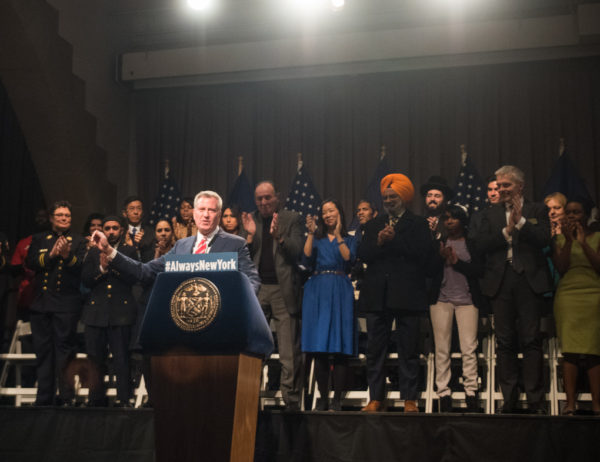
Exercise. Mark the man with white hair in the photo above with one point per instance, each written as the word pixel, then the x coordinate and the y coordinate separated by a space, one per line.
pixel 209 238
pixel 512 236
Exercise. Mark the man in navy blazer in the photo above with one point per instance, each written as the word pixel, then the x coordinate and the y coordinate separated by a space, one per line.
pixel 210 238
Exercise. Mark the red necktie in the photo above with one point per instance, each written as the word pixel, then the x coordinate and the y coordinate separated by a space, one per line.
pixel 202 247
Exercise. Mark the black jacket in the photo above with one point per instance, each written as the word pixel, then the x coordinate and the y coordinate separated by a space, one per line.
pixel 110 302
pixel 56 284
pixel 396 271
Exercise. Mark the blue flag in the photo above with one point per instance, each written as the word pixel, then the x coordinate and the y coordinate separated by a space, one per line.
pixel 166 204
pixel 242 194
pixel 373 193
pixel 565 179
pixel 470 189
pixel 303 197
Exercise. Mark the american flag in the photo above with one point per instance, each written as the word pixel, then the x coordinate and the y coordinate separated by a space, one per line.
pixel 166 204
pixel 471 192
pixel 303 197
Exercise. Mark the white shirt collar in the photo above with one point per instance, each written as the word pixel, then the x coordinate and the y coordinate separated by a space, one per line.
pixel 200 236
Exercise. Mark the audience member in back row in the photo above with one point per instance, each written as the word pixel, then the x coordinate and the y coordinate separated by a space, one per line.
pixel 556 211
pixel 109 313
pixel 512 237
pixel 138 235
pixel 56 258
pixel 437 193
pixel 165 239
pixel 577 302
pixel 183 224
pixel 92 223
pixel 328 323
pixel 455 294
pixel 492 198
pixel 395 247
pixel 231 221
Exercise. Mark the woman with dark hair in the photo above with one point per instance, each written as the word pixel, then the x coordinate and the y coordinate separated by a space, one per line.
pixel 577 302
pixel 92 223
pixel 455 294
pixel 328 323
pixel 183 225
pixel 165 240
pixel 231 221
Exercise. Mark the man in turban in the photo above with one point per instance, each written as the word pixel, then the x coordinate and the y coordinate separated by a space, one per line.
pixel 395 247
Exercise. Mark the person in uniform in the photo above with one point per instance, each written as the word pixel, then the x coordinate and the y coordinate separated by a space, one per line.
pixel 55 257
pixel 109 313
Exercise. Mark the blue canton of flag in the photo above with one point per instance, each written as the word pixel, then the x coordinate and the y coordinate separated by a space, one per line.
pixel 166 204
pixel 303 197
pixel 242 194
pixel 565 179
pixel 471 192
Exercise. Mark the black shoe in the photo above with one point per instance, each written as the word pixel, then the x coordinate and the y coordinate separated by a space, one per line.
pixel 291 407
pixel 472 403
pixel 336 404
pixel 538 409
pixel 121 404
pixel 445 404
pixel 322 404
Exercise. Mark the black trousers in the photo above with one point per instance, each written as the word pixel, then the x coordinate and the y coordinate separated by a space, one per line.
pixel 54 343
pixel 379 329
pixel 97 342
pixel 517 315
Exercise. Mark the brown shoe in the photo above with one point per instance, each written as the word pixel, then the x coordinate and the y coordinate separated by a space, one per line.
pixel 410 406
pixel 373 406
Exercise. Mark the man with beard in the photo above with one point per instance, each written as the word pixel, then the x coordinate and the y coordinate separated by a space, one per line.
pixel 437 193
pixel 395 246
pixel 109 313
pixel 512 236
pixel 275 239
pixel 55 257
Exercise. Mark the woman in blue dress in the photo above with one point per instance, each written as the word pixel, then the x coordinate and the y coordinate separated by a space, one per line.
pixel 328 323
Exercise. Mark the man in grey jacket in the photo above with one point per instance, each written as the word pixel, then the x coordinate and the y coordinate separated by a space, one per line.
pixel 275 239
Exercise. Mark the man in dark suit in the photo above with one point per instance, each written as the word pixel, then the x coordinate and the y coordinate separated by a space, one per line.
pixel 512 236
pixel 138 235
pixel 56 257
pixel 109 313
pixel 436 193
pixel 395 247
pixel 210 238
pixel 275 238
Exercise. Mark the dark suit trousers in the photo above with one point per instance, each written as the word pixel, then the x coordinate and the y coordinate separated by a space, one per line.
pixel 54 343
pixel 379 329
pixel 97 341
pixel 517 314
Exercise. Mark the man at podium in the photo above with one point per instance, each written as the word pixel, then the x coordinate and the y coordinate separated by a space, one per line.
pixel 209 238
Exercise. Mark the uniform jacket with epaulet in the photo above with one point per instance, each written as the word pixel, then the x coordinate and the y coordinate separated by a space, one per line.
pixel 110 301
pixel 56 285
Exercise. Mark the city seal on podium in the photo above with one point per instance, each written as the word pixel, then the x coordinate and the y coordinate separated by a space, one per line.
pixel 195 304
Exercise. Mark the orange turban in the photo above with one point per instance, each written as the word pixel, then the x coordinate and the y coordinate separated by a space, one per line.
pixel 399 183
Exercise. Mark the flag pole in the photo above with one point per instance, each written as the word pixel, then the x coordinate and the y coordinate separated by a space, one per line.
pixel 382 153
pixel 299 161
pixel 463 154
pixel 167 169
pixel 240 165
pixel 561 147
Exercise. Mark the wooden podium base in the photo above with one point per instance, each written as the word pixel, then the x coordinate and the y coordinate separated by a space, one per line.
pixel 205 407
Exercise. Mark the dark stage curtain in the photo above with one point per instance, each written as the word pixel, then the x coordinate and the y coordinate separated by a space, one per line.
pixel 20 190
pixel 505 114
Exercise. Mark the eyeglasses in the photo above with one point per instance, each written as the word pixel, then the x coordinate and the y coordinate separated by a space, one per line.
pixel 113 228
pixel 62 215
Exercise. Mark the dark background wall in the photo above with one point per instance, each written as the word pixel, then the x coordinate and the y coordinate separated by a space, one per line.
pixel 505 114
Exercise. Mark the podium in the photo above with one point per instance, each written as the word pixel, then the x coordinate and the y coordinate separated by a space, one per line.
pixel 207 336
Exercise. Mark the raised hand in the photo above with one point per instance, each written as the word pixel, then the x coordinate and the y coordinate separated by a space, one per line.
pixel 101 242
pixel 138 237
pixel 433 222
pixel 385 235
pixel 311 224
pixel 275 226
pixel 248 223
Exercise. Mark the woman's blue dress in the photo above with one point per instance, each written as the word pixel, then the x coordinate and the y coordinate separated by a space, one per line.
pixel 328 323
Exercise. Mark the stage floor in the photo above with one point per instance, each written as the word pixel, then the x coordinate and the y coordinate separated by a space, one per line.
pixel 115 435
